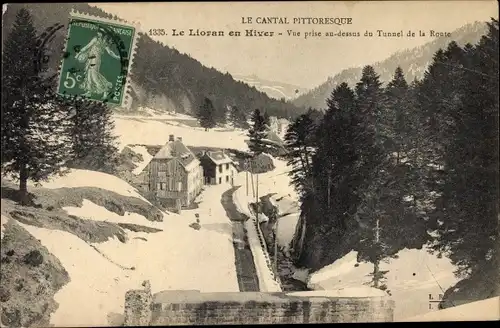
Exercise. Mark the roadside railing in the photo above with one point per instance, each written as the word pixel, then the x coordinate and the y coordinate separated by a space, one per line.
pixel 264 248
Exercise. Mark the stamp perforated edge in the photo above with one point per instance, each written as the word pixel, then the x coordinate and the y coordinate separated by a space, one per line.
pixel 126 100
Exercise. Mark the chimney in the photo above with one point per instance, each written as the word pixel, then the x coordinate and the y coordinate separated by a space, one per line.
pixel 179 138
pixel 171 137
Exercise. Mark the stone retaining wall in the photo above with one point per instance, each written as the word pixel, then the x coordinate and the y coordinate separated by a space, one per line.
pixel 195 308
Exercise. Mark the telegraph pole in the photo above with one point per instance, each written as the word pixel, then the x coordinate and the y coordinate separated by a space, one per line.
pixel 276 245
pixel 246 175
pixel 257 196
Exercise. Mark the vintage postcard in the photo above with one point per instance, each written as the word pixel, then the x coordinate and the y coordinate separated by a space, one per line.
pixel 211 163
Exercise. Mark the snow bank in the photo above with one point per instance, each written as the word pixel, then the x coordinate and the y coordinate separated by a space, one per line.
pixel 97 287
pixel 85 178
pixel 286 203
pixel 176 258
pixel 3 220
pixel 150 113
pixel 286 230
pixel 263 218
pixel 262 261
pixel 485 310
pixel 137 131
pixel 267 282
pixel 410 280
pixel 92 211
pixel 342 292
pixel 146 158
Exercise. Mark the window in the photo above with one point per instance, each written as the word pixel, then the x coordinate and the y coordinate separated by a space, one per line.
pixel 227 178
pixel 220 168
pixel 162 167
pixel 220 180
pixel 227 166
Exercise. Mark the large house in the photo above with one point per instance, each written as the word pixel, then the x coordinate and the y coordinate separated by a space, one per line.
pixel 282 126
pixel 174 176
pixel 278 125
pixel 273 124
pixel 218 168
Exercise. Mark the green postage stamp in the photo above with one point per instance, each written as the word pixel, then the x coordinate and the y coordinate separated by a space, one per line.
pixel 97 59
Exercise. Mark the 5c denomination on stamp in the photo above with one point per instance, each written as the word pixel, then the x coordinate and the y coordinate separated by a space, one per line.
pixel 97 59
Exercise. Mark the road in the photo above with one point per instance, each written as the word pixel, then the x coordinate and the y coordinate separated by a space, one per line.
pixel 248 280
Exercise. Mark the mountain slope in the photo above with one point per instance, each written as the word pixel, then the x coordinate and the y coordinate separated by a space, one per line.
pixel 414 63
pixel 162 77
pixel 273 89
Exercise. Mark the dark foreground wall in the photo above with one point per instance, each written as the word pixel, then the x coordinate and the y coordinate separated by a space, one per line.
pixel 194 308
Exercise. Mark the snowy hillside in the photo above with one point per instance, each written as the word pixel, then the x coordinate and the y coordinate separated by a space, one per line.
pixel 411 278
pixel 155 130
pixel 485 310
pixel 103 272
pixel 172 255
pixel 273 89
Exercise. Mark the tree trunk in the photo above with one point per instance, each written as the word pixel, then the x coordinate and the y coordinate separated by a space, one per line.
pixel 23 185
pixel 376 274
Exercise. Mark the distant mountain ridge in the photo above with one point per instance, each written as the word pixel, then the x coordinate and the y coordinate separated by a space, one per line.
pixel 414 63
pixel 162 77
pixel 273 89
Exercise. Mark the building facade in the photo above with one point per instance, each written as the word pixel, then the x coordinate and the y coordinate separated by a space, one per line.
pixel 218 167
pixel 174 175
pixel 282 126
pixel 273 124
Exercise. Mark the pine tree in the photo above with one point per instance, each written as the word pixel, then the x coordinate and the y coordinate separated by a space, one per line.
pixel 335 160
pixel 238 117
pixel 267 119
pixel 371 144
pixel 466 209
pixel 206 114
pixel 256 133
pixel 396 105
pixel 92 134
pixel 35 142
pixel 300 147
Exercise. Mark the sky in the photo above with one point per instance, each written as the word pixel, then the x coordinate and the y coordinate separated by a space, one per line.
pixel 295 59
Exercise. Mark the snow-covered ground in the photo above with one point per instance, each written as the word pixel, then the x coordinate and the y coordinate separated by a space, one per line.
pixel 485 310
pixel 180 257
pixel 134 130
pixel 177 258
pixel 86 178
pixel 3 221
pixel 411 278
pixel 286 230
pixel 150 113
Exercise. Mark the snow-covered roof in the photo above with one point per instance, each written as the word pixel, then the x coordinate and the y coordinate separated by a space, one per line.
pixel 273 137
pixel 176 149
pixel 219 157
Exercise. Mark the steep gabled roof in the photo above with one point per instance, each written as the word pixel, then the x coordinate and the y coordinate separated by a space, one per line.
pixel 176 149
pixel 272 136
pixel 219 157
